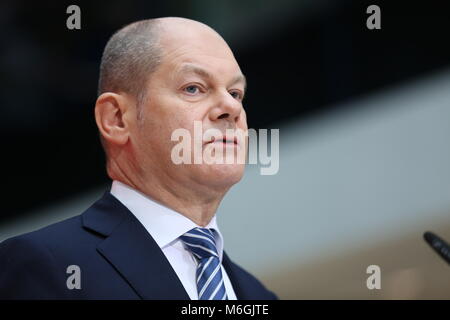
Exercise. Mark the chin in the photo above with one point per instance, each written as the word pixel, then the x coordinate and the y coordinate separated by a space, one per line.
pixel 222 175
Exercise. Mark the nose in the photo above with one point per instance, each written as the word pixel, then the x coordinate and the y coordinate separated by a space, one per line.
pixel 227 107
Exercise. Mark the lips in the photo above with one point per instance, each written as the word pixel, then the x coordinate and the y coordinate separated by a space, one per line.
pixel 231 140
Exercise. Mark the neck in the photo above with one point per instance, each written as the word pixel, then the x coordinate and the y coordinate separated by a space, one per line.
pixel 198 204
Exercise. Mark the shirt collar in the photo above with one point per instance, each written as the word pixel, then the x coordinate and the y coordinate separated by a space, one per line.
pixel 164 224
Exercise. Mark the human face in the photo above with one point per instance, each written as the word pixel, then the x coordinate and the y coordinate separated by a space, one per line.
pixel 198 80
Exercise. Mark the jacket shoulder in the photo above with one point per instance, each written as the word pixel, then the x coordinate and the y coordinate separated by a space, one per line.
pixel 28 269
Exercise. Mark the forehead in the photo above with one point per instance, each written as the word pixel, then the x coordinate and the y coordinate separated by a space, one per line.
pixel 191 58
pixel 197 45
pixel 188 68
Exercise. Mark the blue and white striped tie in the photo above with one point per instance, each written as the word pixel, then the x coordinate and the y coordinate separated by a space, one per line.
pixel 201 242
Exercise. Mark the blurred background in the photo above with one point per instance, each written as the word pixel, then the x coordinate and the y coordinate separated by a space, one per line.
pixel 364 119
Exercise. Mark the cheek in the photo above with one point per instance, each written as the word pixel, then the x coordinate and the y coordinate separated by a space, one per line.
pixel 176 113
pixel 168 113
pixel 168 126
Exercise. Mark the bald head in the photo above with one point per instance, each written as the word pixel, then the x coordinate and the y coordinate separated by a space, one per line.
pixel 135 51
pixel 130 55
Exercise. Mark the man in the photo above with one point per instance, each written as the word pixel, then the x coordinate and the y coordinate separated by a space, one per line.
pixel 154 235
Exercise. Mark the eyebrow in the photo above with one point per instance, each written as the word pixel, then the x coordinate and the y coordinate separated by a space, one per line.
pixel 192 68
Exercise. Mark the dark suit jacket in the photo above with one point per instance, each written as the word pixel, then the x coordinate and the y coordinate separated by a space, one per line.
pixel 118 259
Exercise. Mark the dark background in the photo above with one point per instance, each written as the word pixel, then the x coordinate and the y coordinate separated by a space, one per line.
pixel 300 58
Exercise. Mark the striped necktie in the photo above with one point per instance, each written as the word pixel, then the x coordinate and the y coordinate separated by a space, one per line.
pixel 201 242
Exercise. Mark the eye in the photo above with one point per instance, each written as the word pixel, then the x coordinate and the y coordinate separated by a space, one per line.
pixel 237 95
pixel 192 89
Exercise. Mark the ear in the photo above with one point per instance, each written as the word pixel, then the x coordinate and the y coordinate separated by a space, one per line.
pixel 112 117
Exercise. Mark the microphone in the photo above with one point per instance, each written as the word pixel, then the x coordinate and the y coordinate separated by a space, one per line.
pixel 439 245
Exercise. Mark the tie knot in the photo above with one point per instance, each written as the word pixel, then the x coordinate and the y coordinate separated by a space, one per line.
pixel 201 242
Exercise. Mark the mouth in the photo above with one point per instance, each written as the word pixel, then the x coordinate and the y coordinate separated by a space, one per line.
pixel 224 140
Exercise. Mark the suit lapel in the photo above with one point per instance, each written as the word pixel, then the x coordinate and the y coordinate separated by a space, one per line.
pixel 132 251
pixel 235 277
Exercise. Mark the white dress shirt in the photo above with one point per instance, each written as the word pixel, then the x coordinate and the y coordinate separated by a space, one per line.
pixel 166 226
